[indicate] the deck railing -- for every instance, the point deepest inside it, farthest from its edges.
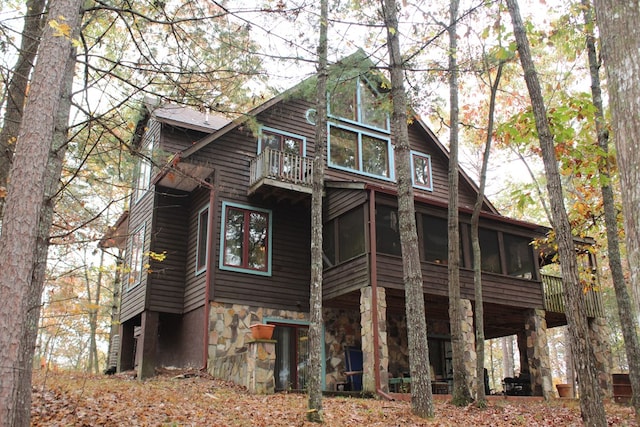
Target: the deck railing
(281, 166)
(554, 297)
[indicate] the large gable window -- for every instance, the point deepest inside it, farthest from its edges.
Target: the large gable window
(421, 170)
(360, 152)
(354, 100)
(246, 242)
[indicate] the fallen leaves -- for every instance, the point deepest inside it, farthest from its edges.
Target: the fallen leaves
(63, 398)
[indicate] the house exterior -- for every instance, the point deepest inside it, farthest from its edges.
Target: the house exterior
(219, 239)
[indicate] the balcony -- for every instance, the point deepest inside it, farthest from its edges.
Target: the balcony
(280, 170)
(554, 297)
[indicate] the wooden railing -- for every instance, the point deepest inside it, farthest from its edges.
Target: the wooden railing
(281, 166)
(554, 297)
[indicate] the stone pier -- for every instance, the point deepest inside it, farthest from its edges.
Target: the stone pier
(469, 340)
(366, 322)
(538, 354)
(598, 333)
(261, 360)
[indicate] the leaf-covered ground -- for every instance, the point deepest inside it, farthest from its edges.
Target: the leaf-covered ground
(71, 399)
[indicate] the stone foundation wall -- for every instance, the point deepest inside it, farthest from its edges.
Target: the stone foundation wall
(229, 338)
(538, 354)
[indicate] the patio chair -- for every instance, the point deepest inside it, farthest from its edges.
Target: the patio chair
(353, 365)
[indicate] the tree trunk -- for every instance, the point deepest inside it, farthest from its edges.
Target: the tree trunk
(507, 356)
(461, 392)
(481, 400)
(626, 310)
(20, 250)
(590, 397)
(419, 365)
(16, 91)
(315, 412)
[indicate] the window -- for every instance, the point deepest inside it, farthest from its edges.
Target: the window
(387, 230)
(490, 250)
(144, 169)
(343, 237)
(287, 149)
(421, 170)
(518, 256)
(246, 243)
(361, 152)
(202, 248)
(436, 238)
(356, 101)
(137, 253)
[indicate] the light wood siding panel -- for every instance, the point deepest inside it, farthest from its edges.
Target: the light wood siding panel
(346, 277)
(170, 227)
(134, 299)
(195, 285)
(288, 285)
(498, 289)
(338, 202)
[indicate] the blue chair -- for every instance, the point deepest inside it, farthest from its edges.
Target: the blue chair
(353, 365)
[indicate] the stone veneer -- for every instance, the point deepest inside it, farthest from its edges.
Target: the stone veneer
(598, 333)
(261, 361)
(230, 339)
(538, 354)
(469, 340)
(366, 316)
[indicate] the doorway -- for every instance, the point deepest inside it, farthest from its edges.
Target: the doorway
(292, 356)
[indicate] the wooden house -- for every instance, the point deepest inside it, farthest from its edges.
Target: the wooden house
(219, 238)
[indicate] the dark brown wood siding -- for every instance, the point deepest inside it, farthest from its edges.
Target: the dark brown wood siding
(169, 238)
(176, 139)
(195, 283)
(339, 201)
(497, 289)
(346, 277)
(134, 295)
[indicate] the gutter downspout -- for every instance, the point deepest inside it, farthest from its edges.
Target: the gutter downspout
(374, 294)
(209, 273)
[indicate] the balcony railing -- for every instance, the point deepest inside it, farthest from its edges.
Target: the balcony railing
(554, 297)
(278, 166)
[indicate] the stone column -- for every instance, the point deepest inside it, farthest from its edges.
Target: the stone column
(261, 362)
(598, 333)
(469, 340)
(538, 354)
(366, 323)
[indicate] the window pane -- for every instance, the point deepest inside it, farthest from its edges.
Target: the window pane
(201, 257)
(344, 148)
(292, 145)
(435, 239)
(375, 156)
(519, 258)
(387, 231)
(421, 171)
(258, 228)
(351, 234)
(234, 235)
(137, 248)
(270, 140)
(372, 112)
(329, 241)
(342, 101)
(490, 250)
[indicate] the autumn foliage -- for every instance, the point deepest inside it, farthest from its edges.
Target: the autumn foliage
(192, 399)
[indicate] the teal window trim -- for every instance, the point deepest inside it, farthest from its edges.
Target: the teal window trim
(304, 323)
(360, 133)
(198, 267)
(283, 133)
(223, 229)
(413, 172)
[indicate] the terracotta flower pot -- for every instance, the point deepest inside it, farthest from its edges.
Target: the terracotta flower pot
(262, 331)
(564, 390)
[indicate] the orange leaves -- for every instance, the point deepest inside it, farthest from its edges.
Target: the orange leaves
(77, 399)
